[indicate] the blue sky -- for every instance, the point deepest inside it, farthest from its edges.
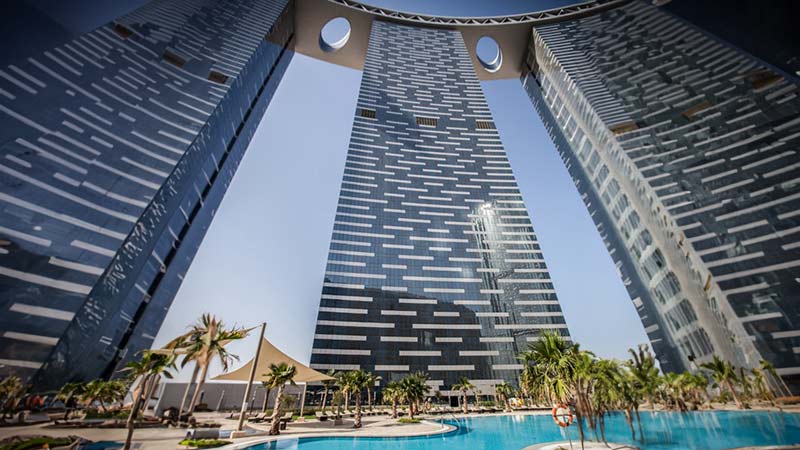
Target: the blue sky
(264, 256)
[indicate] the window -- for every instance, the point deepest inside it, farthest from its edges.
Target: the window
(217, 77)
(367, 113)
(427, 121)
(123, 31)
(484, 125)
(173, 59)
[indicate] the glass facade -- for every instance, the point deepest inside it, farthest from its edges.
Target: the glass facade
(685, 150)
(117, 148)
(433, 265)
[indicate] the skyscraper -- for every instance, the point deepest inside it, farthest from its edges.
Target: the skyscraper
(433, 264)
(685, 150)
(117, 147)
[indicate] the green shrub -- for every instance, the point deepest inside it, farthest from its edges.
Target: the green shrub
(409, 420)
(204, 443)
(35, 443)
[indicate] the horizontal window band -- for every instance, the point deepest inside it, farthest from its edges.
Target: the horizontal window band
(449, 368)
(339, 337)
(391, 368)
(340, 323)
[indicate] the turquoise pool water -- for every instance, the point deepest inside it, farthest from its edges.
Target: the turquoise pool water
(663, 431)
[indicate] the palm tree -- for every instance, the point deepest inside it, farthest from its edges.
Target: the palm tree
(674, 391)
(549, 367)
(147, 370)
(104, 392)
(179, 345)
(696, 386)
(724, 376)
(464, 386)
(115, 391)
(645, 373)
(354, 382)
(781, 387)
(340, 382)
(580, 380)
(11, 391)
(206, 341)
(504, 391)
(328, 385)
(277, 377)
(68, 393)
(762, 386)
(607, 393)
(746, 384)
(629, 397)
(394, 394)
(371, 385)
(559, 370)
(414, 388)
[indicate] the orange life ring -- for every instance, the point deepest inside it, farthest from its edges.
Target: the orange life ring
(564, 412)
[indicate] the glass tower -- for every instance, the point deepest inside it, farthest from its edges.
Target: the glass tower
(433, 264)
(686, 152)
(117, 148)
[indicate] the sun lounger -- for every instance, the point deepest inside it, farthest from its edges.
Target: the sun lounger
(285, 420)
(258, 418)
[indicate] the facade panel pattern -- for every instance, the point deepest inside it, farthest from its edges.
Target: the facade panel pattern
(434, 265)
(116, 149)
(686, 152)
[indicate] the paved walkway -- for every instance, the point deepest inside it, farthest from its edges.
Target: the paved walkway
(168, 438)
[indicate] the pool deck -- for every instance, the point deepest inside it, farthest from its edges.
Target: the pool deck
(168, 438)
(373, 426)
(588, 445)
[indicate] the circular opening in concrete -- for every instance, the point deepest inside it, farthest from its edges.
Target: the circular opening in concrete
(334, 34)
(489, 54)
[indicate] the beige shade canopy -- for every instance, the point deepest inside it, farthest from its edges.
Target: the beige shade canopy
(272, 355)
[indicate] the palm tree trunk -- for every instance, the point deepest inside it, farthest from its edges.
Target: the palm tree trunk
(357, 423)
(188, 388)
(465, 406)
(639, 422)
(411, 409)
(324, 400)
(199, 388)
(579, 419)
(275, 425)
(736, 399)
(369, 398)
(629, 419)
(347, 401)
(601, 421)
(394, 408)
(131, 422)
(67, 408)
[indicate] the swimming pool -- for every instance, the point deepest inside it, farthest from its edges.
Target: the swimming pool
(712, 430)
